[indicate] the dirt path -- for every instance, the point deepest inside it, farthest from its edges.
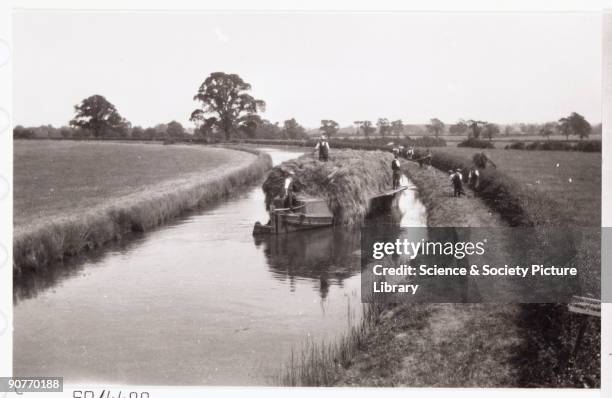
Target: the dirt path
(442, 345)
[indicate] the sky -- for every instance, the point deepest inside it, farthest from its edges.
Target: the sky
(503, 68)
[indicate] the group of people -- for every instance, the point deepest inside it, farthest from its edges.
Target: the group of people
(456, 176)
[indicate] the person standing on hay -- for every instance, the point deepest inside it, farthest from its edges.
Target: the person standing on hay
(323, 148)
(396, 169)
(288, 187)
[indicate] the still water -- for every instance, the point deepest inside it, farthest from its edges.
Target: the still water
(197, 302)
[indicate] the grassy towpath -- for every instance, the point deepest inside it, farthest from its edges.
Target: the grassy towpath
(441, 345)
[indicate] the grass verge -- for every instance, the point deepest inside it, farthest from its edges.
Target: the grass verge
(61, 237)
(546, 190)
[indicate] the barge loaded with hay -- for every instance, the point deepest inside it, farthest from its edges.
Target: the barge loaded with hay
(306, 193)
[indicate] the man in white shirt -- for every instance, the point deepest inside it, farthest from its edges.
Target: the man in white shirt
(288, 189)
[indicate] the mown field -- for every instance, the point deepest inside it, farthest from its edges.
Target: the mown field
(55, 178)
(572, 180)
(502, 140)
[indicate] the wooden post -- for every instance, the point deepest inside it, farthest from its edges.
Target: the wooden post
(584, 307)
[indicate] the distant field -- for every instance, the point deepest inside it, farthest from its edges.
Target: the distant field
(503, 140)
(56, 178)
(499, 141)
(580, 196)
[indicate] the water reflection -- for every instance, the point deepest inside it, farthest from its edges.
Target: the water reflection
(326, 256)
(31, 282)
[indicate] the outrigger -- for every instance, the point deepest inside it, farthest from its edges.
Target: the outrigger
(310, 213)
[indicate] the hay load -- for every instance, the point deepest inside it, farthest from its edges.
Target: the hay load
(346, 182)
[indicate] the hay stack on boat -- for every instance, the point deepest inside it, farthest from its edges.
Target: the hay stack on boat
(346, 181)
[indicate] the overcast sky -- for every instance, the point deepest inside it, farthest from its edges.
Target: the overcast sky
(414, 66)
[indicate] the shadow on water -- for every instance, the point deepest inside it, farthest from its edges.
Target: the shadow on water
(328, 256)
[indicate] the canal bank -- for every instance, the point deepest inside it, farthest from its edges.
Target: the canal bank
(37, 247)
(428, 345)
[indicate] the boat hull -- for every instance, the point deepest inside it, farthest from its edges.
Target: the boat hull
(314, 214)
(285, 222)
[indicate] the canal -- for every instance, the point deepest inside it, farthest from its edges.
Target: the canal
(196, 302)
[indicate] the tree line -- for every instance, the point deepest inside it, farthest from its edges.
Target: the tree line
(227, 110)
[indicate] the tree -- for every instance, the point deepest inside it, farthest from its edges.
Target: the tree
(508, 129)
(458, 128)
(248, 125)
(435, 126)
(329, 127)
(597, 129)
(66, 131)
(205, 131)
(20, 132)
(292, 129)
(161, 131)
(267, 129)
(137, 133)
(490, 130)
(366, 127)
(384, 126)
(397, 127)
(100, 117)
(226, 97)
(548, 129)
(475, 128)
(149, 133)
(575, 124)
(175, 129)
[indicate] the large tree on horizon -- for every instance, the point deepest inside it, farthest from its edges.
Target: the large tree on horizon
(329, 127)
(292, 129)
(490, 130)
(366, 127)
(475, 128)
(397, 127)
(384, 126)
(97, 115)
(225, 97)
(575, 124)
(435, 126)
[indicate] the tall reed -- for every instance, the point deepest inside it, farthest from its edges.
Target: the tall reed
(315, 364)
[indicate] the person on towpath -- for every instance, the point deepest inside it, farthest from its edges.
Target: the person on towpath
(457, 182)
(474, 178)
